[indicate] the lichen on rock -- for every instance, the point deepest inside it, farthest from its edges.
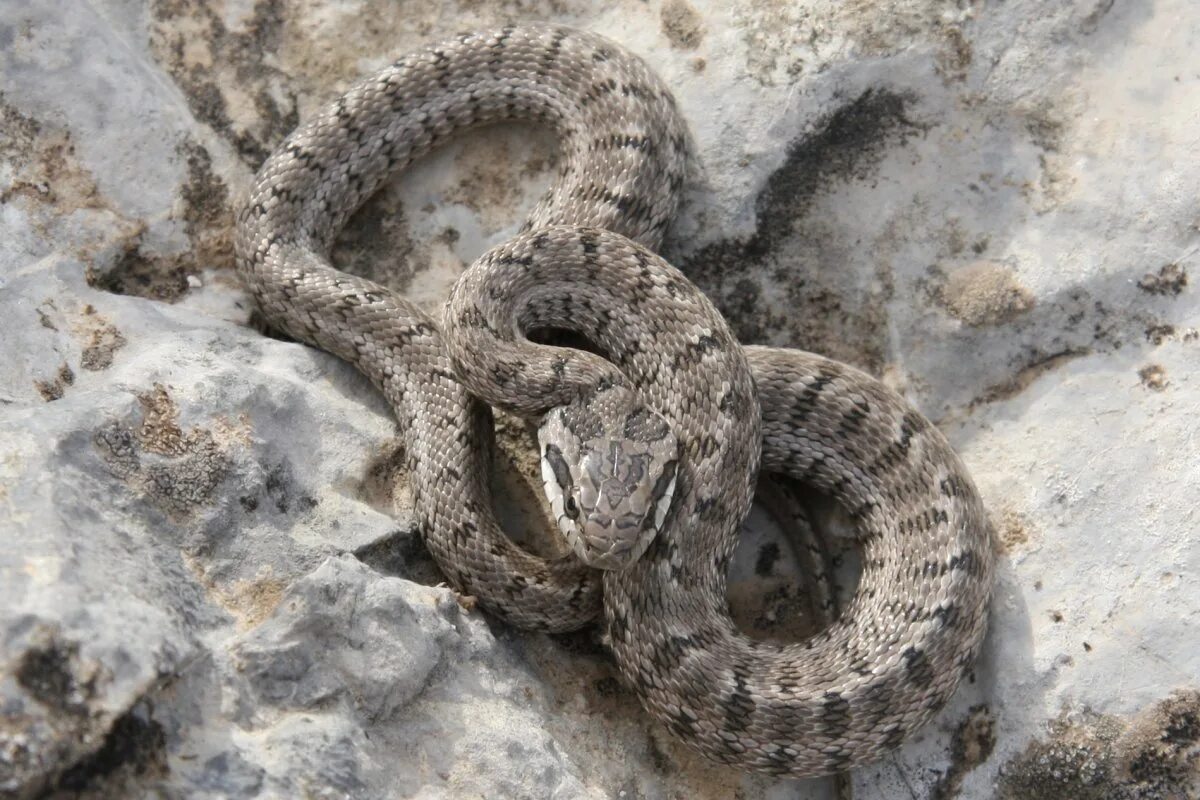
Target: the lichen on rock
(211, 582)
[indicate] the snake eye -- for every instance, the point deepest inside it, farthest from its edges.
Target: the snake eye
(571, 507)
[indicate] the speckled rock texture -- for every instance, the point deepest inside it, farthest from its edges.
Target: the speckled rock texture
(209, 583)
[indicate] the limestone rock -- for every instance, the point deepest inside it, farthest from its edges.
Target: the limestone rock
(209, 583)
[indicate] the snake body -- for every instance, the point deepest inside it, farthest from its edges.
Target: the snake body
(622, 164)
(584, 262)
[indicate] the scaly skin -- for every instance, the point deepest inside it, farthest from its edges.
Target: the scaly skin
(835, 701)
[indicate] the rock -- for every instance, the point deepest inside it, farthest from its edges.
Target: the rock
(209, 581)
(984, 293)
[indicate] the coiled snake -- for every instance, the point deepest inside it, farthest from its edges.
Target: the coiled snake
(658, 505)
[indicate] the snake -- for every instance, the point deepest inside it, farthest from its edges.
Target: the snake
(649, 441)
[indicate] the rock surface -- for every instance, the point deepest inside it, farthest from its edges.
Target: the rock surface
(209, 585)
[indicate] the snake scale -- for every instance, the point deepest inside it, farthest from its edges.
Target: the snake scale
(671, 427)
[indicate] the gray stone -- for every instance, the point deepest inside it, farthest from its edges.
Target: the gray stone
(209, 582)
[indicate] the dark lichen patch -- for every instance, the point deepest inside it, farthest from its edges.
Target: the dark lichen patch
(100, 355)
(133, 749)
(1154, 377)
(18, 134)
(187, 483)
(1161, 750)
(178, 470)
(205, 194)
(100, 338)
(1044, 124)
(1158, 333)
(681, 24)
(44, 312)
(119, 449)
(191, 41)
(1169, 280)
(281, 490)
(756, 281)
(1155, 756)
(54, 388)
(207, 215)
(1075, 761)
(972, 744)
(43, 159)
(278, 492)
(48, 672)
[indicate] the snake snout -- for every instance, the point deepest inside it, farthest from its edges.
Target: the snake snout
(617, 529)
(609, 485)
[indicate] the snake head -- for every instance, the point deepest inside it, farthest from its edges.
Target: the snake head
(609, 478)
